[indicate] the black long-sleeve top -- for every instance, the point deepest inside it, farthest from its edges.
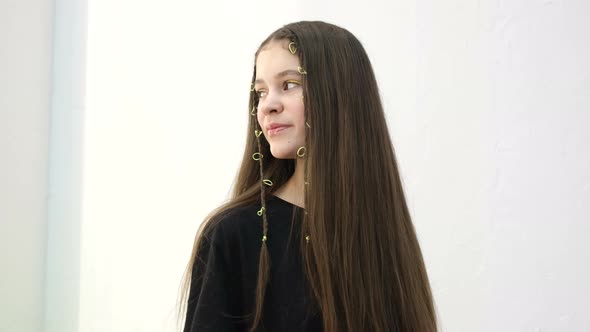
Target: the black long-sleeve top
(223, 282)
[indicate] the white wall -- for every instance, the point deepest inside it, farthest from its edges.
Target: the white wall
(158, 83)
(25, 66)
(500, 178)
(487, 103)
(539, 226)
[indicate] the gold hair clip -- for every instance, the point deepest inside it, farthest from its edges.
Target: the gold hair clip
(307, 124)
(256, 154)
(257, 132)
(307, 238)
(292, 47)
(253, 109)
(301, 71)
(303, 154)
(251, 86)
(267, 182)
(263, 238)
(259, 213)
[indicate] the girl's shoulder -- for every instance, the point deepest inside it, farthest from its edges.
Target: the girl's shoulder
(237, 217)
(245, 221)
(234, 224)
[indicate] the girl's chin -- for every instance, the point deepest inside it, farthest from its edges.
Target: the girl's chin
(283, 154)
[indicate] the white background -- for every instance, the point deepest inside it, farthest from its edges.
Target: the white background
(122, 125)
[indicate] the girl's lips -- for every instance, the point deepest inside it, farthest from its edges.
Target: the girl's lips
(277, 130)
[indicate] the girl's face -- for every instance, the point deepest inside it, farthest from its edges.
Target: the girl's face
(279, 89)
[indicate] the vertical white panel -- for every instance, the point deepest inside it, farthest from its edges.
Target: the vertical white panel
(65, 168)
(25, 67)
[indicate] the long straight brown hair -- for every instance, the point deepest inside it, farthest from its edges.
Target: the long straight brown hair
(363, 263)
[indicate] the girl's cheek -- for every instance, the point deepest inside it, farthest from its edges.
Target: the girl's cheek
(258, 116)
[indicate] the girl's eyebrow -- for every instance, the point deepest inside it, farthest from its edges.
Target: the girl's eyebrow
(281, 74)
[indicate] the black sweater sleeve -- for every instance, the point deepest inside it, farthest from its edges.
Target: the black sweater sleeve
(214, 299)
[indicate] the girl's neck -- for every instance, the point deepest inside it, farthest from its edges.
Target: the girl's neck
(292, 191)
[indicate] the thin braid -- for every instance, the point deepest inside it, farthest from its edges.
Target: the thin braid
(262, 197)
(264, 261)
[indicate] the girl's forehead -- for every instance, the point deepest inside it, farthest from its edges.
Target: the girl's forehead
(276, 58)
(283, 43)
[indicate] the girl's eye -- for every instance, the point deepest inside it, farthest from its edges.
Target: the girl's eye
(294, 83)
(287, 85)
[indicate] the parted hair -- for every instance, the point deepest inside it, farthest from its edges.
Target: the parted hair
(363, 264)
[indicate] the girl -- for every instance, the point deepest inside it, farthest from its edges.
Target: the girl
(317, 235)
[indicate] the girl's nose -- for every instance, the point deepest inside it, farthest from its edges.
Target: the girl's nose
(271, 103)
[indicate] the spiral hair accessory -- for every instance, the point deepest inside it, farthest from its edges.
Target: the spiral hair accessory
(292, 47)
(267, 182)
(253, 110)
(256, 155)
(301, 151)
(301, 70)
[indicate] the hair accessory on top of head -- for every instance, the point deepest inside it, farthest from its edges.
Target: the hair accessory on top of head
(292, 47)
